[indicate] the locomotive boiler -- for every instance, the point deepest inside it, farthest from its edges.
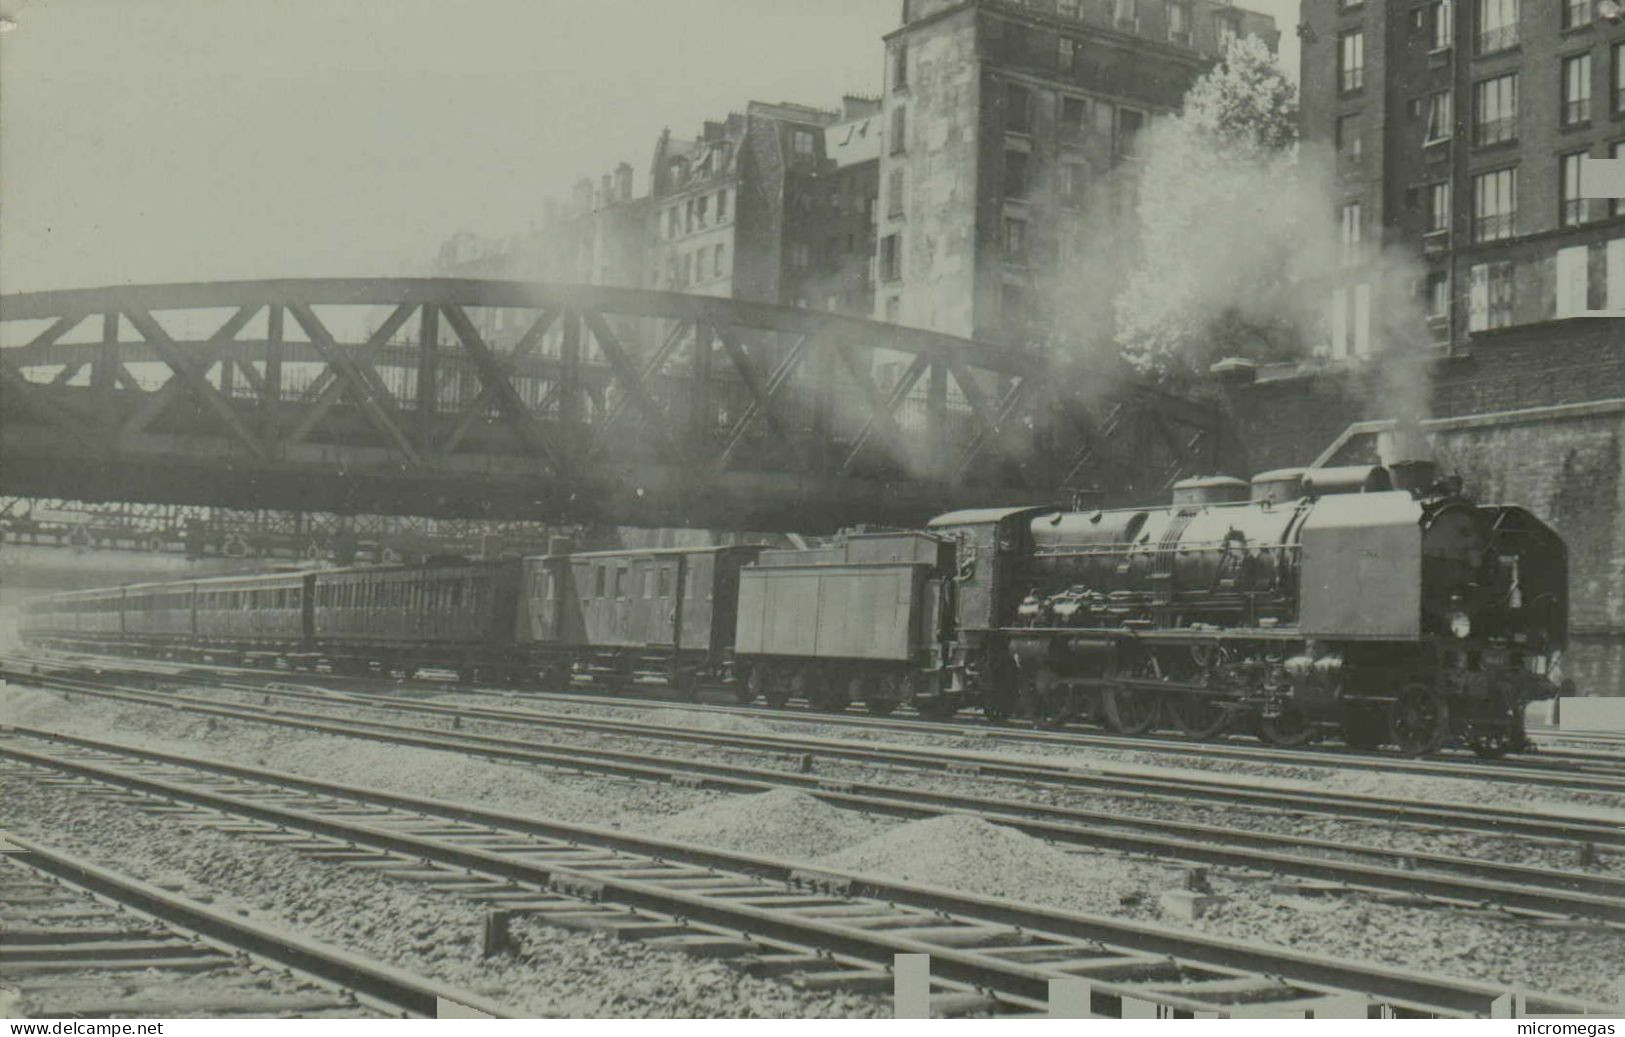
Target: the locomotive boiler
(1376, 598)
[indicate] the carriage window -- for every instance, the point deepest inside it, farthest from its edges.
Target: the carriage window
(620, 584)
(456, 594)
(598, 583)
(648, 584)
(665, 583)
(551, 585)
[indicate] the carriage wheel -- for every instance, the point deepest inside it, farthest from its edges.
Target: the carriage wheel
(1289, 728)
(686, 683)
(1365, 726)
(1200, 716)
(778, 685)
(746, 684)
(927, 694)
(879, 695)
(1131, 712)
(554, 677)
(1419, 719)
(828, 691)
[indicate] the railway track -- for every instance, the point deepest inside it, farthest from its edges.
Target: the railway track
(1454, 880)
(1585, 769)
(834, 928)
(73, 928)
(1543, 824)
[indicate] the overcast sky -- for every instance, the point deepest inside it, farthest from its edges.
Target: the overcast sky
(171, 140)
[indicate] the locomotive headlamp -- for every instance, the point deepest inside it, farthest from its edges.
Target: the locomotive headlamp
(1461, 624)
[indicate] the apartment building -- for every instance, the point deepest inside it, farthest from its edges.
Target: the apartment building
(1460, 130)
(1011, 138)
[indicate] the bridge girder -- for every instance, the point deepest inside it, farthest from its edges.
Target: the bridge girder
(555, 402)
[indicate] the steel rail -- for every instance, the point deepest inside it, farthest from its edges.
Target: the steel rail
(1457, 880)
(1576, 770)
(984, 969)
(1343, 805)
(372, 981)
(1460, 816)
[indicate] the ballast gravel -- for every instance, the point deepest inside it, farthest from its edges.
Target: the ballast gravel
(558, 972)
(954, 851)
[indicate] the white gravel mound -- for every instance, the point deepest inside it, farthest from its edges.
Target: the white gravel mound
(781, 823)
(959, 851)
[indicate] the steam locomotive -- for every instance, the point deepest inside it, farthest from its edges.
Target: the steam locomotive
(1376, 599)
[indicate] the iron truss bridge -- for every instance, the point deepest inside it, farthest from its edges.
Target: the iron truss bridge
(554, 403)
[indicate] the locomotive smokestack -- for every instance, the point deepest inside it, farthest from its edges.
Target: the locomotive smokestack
(1406, 453)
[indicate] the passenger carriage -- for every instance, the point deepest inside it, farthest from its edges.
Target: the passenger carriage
(667, 611)
(404, 618)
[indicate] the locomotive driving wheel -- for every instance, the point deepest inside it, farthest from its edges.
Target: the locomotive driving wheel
(1289, 728)
(1419, 719)
(1200, 716)
(1132, 711)
(1365, 725)
(1197, 714)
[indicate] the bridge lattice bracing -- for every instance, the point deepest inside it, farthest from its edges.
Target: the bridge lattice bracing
(494, 399)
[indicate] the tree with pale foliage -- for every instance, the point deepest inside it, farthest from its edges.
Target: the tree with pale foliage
(1231, 226)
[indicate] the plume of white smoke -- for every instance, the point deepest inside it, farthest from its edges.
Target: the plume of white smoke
(1241, 245)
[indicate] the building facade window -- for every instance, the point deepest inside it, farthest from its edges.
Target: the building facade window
(899, 130)
(1495, 110)
(894, 309)
(1227, 29)
(1497, 25)
(899, 67)
(1074, 183)
(1066, 54)
(1444, 24)
(722, 205)
(894, 193)
(1351, 61)
(1015, 174)
(1577, 90)
(1619, 77)
(702, 208)
(800, 255)
(1018, 108)
(1349, 140)
(891, 258)
(1617, 206)
(1441, 116)
(1576, 13)
(1572, 207)
(717, 252)
(1074, 116)
(1015, 241)
(1126, 14)
(1066, 8)
(1436, 295)
(1179, 22)
(802, 142)
(1351, 233)
(1495, 205)
(1490, 298)
(1129, 125)
(1013, 304)
(1439, 206)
